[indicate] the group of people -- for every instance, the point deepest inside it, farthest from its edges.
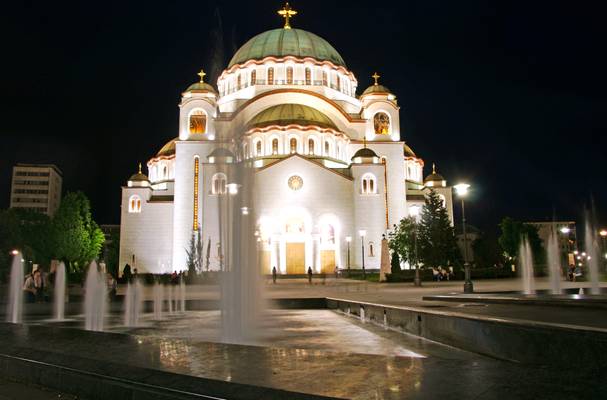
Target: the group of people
(442, 274)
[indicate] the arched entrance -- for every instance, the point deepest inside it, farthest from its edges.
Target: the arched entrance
(295, 233)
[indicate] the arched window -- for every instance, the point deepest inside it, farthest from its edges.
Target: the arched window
(381, 123)
(293, 145)
(324, 78)
(134, 204)
(165, 172)
(258, 148)
(308, 76)
(253, 77)
(327, 234)
(219, 183)
(310, 146)
(270, 76)
(198, 122)
(238, 82)
(327, 148)
(274, 146)
(289, 75)
(368, 184)
(338, 82)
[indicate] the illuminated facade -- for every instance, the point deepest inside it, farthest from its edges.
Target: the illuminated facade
(329, 164)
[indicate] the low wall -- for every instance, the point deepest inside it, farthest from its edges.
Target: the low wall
(519, 341)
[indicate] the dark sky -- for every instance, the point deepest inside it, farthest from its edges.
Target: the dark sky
(508, 95)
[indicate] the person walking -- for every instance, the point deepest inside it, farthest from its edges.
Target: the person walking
(274, 274)
(310, 275)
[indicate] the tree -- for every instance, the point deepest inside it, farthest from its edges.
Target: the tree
(199, 253)
(513, 231)
(191, 256)
(402, 240)
(436, 238)
(395, 263)
(486, 251)
(78, 239)
(113, 253)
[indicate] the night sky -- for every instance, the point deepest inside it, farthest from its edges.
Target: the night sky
(507, 95)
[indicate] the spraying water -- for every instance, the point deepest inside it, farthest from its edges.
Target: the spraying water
(59, 294)
(133, 303)
(15, 294)
(182, 295)
(526, 263)
(94, 299)
(554, 263)
(158, 301)
(592, 250)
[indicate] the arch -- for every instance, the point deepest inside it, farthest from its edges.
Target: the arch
(381, 123)
(308, 76)
(134, 204)
(219, 183)
(327, 148)
(239, 81)
(293, 145)
(270, 75)
(275, 148)
(165, 172)
(325, 81)
(257, 145)
(311, 143)
(253, 77)
(368, 184)
(197, 121)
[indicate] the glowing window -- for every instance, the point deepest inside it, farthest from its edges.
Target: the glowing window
(289, 75)
(219, 183)
(368, 184)
(311, 146)
(381, 123)
(198, 122)
(134, 204)
(327, 148)
(238, 82)
(338, 82)
(308, 76)
(293, 145)
(253, 77)
(258, 148)
(324, 78)
(275, 146)
(270, 76)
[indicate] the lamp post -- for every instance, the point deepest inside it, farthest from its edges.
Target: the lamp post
(362, 234)
(603, 235)
(348, 240)
(461, 190)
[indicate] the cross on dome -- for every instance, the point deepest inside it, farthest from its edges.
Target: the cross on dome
(287, 13)
(375, 76)
(201, 74)
(139, 167)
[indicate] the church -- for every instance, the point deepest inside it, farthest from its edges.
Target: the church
(331, 172)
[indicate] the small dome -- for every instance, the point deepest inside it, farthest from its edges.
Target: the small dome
(408, 151)
(291, 114)
(287, 42)
(168, 149)
(376, 89)
(365, 152)
(435, 179)
(200, 87)
(138, 177)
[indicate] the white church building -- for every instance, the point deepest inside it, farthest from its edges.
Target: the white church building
(332, 173)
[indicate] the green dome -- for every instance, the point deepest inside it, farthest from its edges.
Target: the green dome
(288, 114)
(376, 89)
(201, 86)
(287, 42)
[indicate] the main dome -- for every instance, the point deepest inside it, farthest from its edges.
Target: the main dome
(287, 42)
(288, 114)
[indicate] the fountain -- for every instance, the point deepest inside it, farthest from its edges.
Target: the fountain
(593, 253)
(15, 294)
(59, 294)
(554, 263)
(526, 264)
(158, 300)
(182, 294)
(94, 299)
(132, 303)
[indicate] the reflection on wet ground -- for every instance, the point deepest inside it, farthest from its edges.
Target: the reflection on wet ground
(318, 352)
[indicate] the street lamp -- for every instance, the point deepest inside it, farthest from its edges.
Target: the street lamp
(362, 234)
(348, 240)
(462, 190)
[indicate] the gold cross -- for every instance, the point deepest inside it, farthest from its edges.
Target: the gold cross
(139, 167)
(201, 74)
(287, 12)
(376, 77)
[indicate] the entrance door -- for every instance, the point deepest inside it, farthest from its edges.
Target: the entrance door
(327, 261)
(296, 255)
